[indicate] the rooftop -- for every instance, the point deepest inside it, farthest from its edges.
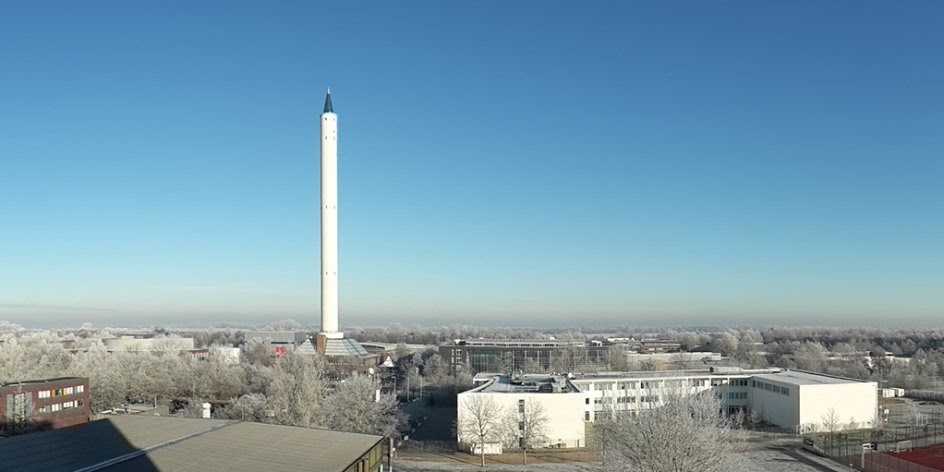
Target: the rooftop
(504, 342)
(530, 383)
(796, 377)
(44, 381)
(655, 374)
(151, 444)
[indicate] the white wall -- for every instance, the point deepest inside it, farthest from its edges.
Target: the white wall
(627, 394)
(564, 412)
(775, 407)
(851, 402)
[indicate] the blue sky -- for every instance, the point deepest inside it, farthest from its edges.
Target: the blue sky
(512, 163)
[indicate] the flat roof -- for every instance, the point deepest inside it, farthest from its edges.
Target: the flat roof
(528, 383)
(150, 444)
(658, 374)
(795, 377)
(44, 381)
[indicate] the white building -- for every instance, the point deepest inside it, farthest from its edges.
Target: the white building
(814, 402)
(561, 402)
(791, 399)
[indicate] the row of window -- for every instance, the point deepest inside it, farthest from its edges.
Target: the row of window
(770, 387)
(672, 383)
(61, 392)
(626, 399)
(62, 406)
(737, 395)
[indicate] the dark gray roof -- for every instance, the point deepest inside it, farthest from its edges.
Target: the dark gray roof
(328, 108)
(151, 444)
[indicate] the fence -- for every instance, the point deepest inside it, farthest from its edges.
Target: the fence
(847, 447)
(428, 446)
(882, 462)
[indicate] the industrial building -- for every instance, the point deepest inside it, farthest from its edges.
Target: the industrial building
(797, 400)
(44, 404)
(510, 355)
(152, 444)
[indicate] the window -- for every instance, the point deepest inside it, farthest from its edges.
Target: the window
(68, 391)
(586, 416)
(56, 407)
(606, 386)
(79, 388)
(67, 405)
(586, 401)
(44, 394)
(57, 392)
(520, 406)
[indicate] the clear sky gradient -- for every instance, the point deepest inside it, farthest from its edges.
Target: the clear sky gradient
(511, 163)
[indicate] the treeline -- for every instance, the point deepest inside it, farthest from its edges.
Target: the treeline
(291, 390)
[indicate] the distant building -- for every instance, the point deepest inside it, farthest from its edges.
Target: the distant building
(282, 342)
(152, 443)
(139, 344)
(510, 355)
(44, 404)
(801, 401)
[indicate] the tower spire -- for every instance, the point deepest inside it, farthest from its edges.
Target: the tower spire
(327, 107)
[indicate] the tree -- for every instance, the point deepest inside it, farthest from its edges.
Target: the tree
(526, 427)
(831, 421)
(688, 433)
(480, 420)
(531, 366)
(810, 356)
(295, 391)
(356, 405)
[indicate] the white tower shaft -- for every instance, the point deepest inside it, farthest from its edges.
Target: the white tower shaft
(329, 222)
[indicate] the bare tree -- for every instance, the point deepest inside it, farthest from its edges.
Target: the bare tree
(831, 421)
(527, 426)
(480, 421)
(689, 433)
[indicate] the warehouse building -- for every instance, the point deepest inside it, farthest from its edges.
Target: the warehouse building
(152, 444)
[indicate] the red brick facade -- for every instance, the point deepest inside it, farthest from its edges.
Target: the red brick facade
(44, 404)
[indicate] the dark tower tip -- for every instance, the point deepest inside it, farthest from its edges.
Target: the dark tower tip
(328, 108)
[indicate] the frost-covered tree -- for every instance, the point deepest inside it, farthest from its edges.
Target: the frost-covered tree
(357, 405)
(689, 433)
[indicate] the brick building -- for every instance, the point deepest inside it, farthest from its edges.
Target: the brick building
(43, 404)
